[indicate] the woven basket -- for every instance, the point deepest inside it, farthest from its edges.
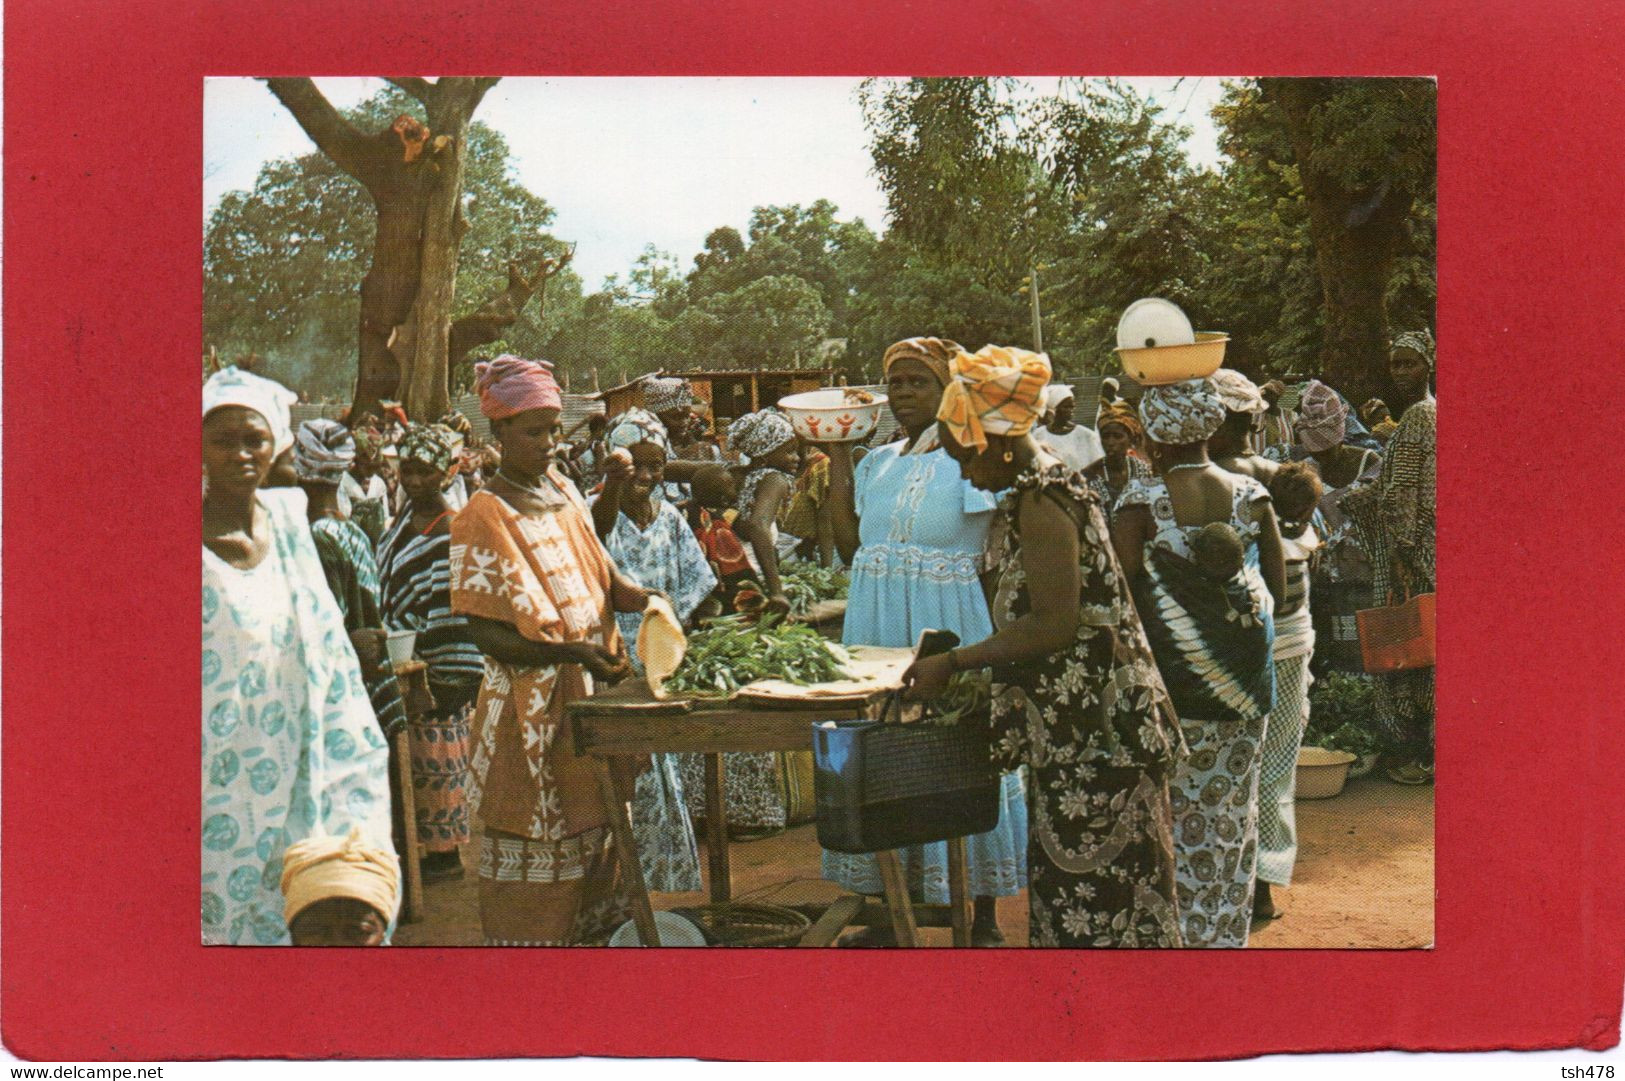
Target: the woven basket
(746, 923)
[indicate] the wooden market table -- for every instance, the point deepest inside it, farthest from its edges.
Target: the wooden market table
(626, 722)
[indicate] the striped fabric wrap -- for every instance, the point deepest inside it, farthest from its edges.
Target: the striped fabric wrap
(415, 574)
(1212, 639)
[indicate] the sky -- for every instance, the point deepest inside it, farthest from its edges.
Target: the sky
(628, 162)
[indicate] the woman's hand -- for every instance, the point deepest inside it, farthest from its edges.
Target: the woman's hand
(617, 468)
(369, 647)
(777, 605)
(928, 677)
(604, 664)
(626, 595)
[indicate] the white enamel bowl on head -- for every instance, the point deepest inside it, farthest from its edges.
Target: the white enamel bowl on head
(825, 416)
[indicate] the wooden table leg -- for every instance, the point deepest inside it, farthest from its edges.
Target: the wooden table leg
(958, 891)
(616, 802)
(716, 828)
(411, 856)
(897, 899)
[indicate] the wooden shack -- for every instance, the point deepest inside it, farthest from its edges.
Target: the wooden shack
(732, 393)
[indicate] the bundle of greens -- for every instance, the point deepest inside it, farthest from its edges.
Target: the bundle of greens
(1343, 715)
(967, 695)
(806, 583)
(727, 653)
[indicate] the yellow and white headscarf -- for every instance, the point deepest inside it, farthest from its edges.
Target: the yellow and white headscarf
(997, 390)
(319, 868)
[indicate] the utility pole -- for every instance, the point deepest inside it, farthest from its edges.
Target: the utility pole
(1032, 296)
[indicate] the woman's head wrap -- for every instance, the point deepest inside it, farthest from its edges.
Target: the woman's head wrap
(1238, 393)
(322, 868)
(430, 444)
(268, 398)
(758, 434)
(996, 390)
(323, 451)
(1178, 413)
(509, 385)
(634, 426)
(1122, 414)
(1421, 341)
(1055, 394)
(661, 395)
(935, 353)
(458, 423)
(368, 443)
(1322, 417)
(1108, 389)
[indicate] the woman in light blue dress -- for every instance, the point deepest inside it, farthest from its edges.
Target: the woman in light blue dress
(914, 533)
(651, 543)
(291, 748)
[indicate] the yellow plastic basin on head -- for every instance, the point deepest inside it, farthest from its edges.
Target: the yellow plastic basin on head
(1175, 363)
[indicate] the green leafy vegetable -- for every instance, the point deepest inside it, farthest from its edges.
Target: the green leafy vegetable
(806, 583)
(727, 653)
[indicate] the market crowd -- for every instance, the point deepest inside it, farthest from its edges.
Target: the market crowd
(1202, 554)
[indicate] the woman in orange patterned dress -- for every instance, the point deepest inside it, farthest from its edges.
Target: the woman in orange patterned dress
(540, 594)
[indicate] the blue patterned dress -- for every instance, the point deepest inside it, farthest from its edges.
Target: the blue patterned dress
(922, 532)
(290, 745)
(668, 558)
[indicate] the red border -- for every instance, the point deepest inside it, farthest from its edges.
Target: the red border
(102, 306)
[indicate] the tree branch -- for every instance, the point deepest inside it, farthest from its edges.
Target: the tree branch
(418, 88)
(333, 135)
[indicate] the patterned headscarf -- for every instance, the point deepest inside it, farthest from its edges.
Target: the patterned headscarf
(458, 423)
(322, 868)
(758, 434)
(1322, 417)
(1238, 393)
(368, 442)
(635, 426)
(323, 451)
(510, 384)
(935, 353)
(661, 395)
(268, 398)
(997, 390)
(1178, 413)
(1122, 414)
(1419, 340)
(431, 444)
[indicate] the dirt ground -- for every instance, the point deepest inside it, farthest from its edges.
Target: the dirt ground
(1364, 879)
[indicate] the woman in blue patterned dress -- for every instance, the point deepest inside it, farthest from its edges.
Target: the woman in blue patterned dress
(913, 532)
(653, 546)
(1202, 551)
(290, 747)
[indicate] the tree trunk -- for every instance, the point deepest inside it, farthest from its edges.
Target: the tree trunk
(416, 183)
(1356, 235)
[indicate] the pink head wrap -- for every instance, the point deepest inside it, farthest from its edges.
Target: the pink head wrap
(509, 385)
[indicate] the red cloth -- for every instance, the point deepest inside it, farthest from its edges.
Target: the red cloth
(509, 385)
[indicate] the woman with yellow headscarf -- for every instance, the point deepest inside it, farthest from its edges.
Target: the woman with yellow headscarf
(913, 532)
(1076, 695)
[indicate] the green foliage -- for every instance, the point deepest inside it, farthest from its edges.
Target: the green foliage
(1343, 715)
(283, 263)
(985, 182)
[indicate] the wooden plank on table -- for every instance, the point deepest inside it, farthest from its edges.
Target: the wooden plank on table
(833, 921)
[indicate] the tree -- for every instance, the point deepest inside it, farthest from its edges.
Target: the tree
(413, 171)
(1365, 152)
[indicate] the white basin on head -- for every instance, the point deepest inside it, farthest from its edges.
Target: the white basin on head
(1153, 323)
